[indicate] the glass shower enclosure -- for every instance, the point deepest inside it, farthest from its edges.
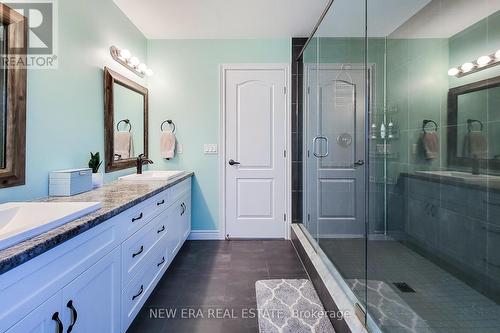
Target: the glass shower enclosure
(401, 160)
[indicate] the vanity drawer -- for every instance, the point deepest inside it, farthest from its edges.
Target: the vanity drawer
(139, 289)
(136, 249)
(177, 191)
(138, 216)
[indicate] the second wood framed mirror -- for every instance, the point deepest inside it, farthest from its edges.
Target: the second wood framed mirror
(125, 121)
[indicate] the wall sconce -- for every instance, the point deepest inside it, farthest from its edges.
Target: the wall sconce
(483, 62)
(124, 57)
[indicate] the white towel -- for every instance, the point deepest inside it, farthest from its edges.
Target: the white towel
(124, 145)
(167, 145)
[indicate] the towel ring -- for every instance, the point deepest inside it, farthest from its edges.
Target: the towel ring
(171, 125)
(425, 122)
(126, 121)
(471, 121)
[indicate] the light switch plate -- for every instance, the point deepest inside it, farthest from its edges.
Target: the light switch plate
(180, 148)
(210, 148)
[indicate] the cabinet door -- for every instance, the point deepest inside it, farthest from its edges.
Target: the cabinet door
(44, 319)
(92, 301)
(174, 228)
(185, 217)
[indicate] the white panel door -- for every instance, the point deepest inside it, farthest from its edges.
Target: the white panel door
(335, 183)
(255, 121)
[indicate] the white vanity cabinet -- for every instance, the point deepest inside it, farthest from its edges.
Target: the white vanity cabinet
(99, 280)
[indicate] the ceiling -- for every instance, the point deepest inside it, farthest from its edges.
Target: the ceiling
(185, 19)
(445, 18)
(346, 18)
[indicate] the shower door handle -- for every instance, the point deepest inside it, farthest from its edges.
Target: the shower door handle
(315, 141)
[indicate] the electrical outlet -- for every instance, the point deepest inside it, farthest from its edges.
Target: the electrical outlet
(180, 148)
(210, 148)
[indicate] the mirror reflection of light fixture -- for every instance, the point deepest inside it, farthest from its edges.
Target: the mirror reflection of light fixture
(483, 62)
(125, 58)
(453, 71)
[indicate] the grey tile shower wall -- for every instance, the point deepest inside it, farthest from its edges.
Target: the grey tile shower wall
(297, 130)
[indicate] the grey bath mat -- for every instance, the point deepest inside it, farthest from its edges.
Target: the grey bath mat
(290, 306)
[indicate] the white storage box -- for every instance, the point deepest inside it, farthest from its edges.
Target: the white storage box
(70, 182)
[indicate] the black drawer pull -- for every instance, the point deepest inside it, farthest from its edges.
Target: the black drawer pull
(55, 317)
(183, 208)
(137, 218)
(160, 202)
(139, 293)
(74, 315)
(137, 253)
(161, 230)
(161, 262)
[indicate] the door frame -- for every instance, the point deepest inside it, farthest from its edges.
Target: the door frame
(222, 141)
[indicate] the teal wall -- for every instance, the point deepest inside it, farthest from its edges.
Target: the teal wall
(417, 88)
(65, 106)
(185, 88)
(418, 84)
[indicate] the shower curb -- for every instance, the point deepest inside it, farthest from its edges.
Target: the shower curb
(330, 294)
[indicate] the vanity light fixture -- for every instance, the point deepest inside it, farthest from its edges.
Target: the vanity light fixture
(124, 57)
(483, 62)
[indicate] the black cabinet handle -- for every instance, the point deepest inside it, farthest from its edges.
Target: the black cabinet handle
(137, 218)
(137, 253)
(55, 317)
(183, 209)
(161, 230)
(74, 315)
(160, 202)
(139, 293)
(161, 262)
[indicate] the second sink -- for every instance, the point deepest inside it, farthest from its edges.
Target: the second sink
(153, 176)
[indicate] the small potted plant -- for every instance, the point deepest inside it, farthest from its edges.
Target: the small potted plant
(94, 163)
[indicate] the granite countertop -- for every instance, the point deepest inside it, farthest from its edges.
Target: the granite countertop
(115, 198)
(490, 187)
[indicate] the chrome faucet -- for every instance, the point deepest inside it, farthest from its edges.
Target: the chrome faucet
(141, 160)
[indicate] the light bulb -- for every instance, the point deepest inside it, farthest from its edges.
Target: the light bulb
(149, 72)
(125, 54)
(467, 67)
(497, 54)
(483, 61)
(142, 67)
(134, 61)
(453, 71)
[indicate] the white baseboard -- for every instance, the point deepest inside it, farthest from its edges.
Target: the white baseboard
(205, 235)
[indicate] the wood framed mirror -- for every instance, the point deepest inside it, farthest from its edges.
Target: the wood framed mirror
(474, 125)
(13, 48)
(125, 121)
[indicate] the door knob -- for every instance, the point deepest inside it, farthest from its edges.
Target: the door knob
(233, 162)
(359, 163)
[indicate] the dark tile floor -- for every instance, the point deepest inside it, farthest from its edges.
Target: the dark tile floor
(211, 276)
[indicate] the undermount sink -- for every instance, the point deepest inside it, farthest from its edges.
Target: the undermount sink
(463, 176)
(153, 176)
(22, 220)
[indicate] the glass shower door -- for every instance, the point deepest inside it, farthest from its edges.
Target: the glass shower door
(335, 100)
